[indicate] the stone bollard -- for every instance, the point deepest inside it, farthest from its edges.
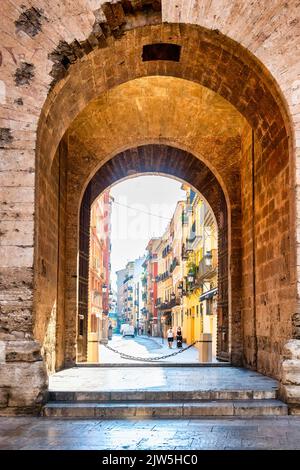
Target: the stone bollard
(290, 375)
(205, 350)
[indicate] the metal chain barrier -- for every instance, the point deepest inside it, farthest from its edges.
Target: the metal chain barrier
(149, 359)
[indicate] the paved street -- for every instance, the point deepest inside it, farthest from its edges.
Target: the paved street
(58, 434)
(142, 346)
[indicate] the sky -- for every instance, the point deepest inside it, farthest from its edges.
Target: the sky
(152, 201)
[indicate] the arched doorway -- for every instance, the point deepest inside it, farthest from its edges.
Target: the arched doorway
(237, 132)
(162, 159)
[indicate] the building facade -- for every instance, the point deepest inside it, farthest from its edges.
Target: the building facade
(121, 274)
(137, 314)
(180, 274)
(149, 288)
(130, 293)
(200, 255)
(99, 274)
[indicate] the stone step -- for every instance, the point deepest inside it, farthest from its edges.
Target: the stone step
(163, 396)
(167, 409)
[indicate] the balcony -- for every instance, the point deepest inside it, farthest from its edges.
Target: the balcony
(174, 263)
(208, 265)
(169, 304)
(163, 276)
(193, 242)
(166, 251)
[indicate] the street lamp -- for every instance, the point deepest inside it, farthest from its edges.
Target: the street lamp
(208, 258)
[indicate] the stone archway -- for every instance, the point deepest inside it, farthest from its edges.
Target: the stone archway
(268, 177)
(162, 159)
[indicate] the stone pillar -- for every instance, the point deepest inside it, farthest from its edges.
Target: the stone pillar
(24, 379)
(290, 375)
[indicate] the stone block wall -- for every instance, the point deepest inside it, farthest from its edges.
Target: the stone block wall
(35, 45)
(269, 288)
(50, 261)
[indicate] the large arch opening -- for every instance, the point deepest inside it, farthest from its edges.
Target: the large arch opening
(162, 159)
(152, 267)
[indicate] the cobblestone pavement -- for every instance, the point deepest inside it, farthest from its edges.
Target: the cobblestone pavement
(143, 346)
(158, 378)
(56, 434)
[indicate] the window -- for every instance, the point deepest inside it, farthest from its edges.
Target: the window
(209, 307)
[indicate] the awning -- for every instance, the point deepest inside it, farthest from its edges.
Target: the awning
(208, 294)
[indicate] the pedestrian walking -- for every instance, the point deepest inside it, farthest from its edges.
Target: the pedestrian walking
(170, 337)
(179, 337)
(109, 335)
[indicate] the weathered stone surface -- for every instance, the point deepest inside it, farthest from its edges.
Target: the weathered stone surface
(2, 351)
(5, 137)
(290, 371)
(291, 349)
(16, 320)
(30, 375)
(296, 326)
(23, 351)
(26, 383)
(4, 393)
(30, 21)
(290, 394)
(24, 74)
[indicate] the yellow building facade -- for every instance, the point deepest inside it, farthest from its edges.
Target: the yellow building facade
(187, 271)
(198, 270)
(192, 254)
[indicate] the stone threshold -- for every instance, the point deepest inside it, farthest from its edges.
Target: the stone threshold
(154, 364)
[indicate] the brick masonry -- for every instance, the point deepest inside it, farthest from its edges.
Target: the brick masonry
(237, 53)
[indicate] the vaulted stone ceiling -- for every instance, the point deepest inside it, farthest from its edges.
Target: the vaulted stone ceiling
(151, 108)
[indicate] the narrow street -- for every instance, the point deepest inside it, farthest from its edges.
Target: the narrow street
(145, 347)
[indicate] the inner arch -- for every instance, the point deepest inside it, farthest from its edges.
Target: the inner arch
(159, 159)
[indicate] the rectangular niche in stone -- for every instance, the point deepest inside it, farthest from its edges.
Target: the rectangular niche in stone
(161, 51)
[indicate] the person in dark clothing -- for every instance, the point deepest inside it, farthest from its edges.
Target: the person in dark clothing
(179, 338)
(109, 336)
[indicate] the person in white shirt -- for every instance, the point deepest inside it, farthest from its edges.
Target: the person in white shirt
(170, 337)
